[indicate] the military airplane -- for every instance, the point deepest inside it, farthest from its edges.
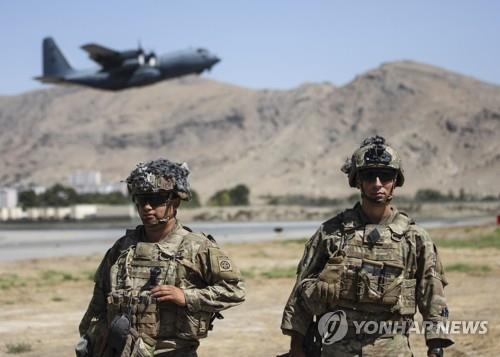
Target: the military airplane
(122, 69)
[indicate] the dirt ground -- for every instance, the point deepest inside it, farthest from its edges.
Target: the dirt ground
(42, 301)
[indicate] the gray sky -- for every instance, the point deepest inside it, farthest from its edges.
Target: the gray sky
(263, 44)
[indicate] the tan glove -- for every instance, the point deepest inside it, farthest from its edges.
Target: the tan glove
(333, 270)
(332, 276)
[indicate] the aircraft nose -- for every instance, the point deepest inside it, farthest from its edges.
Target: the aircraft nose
(215, 60)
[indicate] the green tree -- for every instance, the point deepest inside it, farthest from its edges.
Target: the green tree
(239, 195)
(429, 195)
(236, 196)
(59, 196)
(29, 199)
(462, 196)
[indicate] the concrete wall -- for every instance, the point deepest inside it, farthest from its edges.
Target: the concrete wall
(78, 212)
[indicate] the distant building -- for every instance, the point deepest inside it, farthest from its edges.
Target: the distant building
(8, 197)
(91, 182)
(39, 189)
(85, 181)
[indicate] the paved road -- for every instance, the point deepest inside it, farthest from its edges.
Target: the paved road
(32, 244)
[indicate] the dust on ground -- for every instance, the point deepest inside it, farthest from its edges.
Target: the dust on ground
(42, 301)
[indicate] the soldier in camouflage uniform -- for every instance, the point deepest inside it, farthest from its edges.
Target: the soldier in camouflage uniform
(160, 286)
(373, 263)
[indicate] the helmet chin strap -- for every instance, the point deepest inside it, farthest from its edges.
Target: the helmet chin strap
(165, 219)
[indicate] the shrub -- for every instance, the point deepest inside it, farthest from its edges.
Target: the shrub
(236, 196)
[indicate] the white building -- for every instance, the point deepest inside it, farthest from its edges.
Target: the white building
(91, 182)
(85, 181)
(8, 197)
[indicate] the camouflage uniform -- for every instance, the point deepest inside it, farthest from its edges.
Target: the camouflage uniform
(190, 261)
(378, 273)
(123, 319)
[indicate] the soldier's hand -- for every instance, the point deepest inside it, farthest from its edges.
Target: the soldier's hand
(433, 355)
(169, 293)
(435, 352)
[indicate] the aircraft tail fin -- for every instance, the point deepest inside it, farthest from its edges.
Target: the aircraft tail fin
(54, 62)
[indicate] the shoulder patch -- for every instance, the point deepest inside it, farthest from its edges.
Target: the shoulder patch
(224, 263)
(221, 266)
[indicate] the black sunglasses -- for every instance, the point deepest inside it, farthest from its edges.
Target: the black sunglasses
(153, 200)
(371, 175)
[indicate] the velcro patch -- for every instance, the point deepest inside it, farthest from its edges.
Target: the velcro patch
(224, 263)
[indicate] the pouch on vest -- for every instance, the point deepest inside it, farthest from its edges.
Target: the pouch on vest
(145, 317)
(406, 303)
(349, 283)
(145, 251)
(368, 284)
(192, 325)
(138, 345)
(141, 310)
(391, 283)
(144, 346)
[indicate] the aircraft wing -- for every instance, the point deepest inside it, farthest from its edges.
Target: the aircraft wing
(104, 56)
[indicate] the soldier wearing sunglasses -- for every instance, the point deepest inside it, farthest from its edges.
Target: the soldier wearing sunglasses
(371, 263)
(159, 288)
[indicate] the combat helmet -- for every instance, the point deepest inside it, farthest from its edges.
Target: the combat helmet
(374, 152)
(159, 175)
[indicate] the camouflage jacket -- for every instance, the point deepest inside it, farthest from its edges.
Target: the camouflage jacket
(420, 269)
(208, 277)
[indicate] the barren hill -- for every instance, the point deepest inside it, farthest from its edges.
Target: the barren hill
(447, 127)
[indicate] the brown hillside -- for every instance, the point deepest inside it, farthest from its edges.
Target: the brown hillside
(446, 125)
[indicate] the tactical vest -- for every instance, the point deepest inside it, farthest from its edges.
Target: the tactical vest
(130, 279)
(378, 266)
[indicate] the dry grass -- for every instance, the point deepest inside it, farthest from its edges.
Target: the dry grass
(44, 300)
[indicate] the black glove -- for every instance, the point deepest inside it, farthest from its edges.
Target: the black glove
(82, 347)
(438, 351)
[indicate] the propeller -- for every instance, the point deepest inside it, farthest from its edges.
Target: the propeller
(146, 58)
(140, 53)
(140, 50)
(151, 58)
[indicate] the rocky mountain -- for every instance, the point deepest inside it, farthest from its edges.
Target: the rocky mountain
(446, 126)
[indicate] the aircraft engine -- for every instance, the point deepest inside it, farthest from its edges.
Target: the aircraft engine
(151, 59)
(141, 59)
